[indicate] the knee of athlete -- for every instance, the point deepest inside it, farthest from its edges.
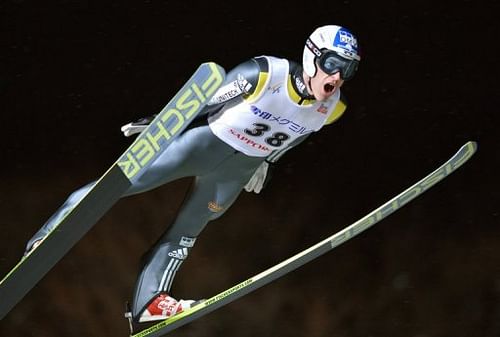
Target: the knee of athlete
(215, 210)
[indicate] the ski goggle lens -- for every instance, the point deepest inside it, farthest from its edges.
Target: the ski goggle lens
(331, 63)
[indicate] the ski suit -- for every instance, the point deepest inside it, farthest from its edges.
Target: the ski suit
(262, 110)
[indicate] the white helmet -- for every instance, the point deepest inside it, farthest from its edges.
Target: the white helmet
(336, 50)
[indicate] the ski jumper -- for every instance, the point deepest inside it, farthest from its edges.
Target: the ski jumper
(261, 111)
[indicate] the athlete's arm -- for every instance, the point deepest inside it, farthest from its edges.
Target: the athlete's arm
(240, 81)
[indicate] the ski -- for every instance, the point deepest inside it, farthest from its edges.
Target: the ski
(292, 263)
(129, 167)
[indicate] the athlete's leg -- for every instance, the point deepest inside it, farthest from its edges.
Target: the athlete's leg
(211, 195)
(194, 153)
(57, 217)
(189, 154)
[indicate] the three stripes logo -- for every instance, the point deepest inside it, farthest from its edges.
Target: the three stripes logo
(180, 253)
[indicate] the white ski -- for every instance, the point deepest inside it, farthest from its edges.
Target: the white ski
(292, 263)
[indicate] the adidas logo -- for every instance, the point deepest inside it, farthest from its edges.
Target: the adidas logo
(180, 254)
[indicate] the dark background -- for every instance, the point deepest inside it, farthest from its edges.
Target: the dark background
(73, 72)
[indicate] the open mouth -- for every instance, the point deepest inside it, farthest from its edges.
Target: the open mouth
(329, 88)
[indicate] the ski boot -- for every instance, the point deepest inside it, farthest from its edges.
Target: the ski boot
(161, 308)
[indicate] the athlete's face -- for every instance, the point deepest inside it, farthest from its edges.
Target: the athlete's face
(322, 85)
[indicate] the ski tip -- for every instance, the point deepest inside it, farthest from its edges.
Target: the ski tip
(471, 146)
(472, 143)
(208, 64)
(213, 65)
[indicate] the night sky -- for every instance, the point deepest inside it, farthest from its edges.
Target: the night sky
(73, 72)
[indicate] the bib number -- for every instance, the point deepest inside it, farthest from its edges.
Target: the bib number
(261, 129)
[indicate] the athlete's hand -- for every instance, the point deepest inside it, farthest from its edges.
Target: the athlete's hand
(137, 127)
(257, 182)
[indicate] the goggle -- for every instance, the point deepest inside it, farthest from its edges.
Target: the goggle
(331, 62)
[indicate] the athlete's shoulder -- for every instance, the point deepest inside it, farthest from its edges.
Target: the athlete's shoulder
(247, 79)
(240, 81)
(254, 67)
(250, 71)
